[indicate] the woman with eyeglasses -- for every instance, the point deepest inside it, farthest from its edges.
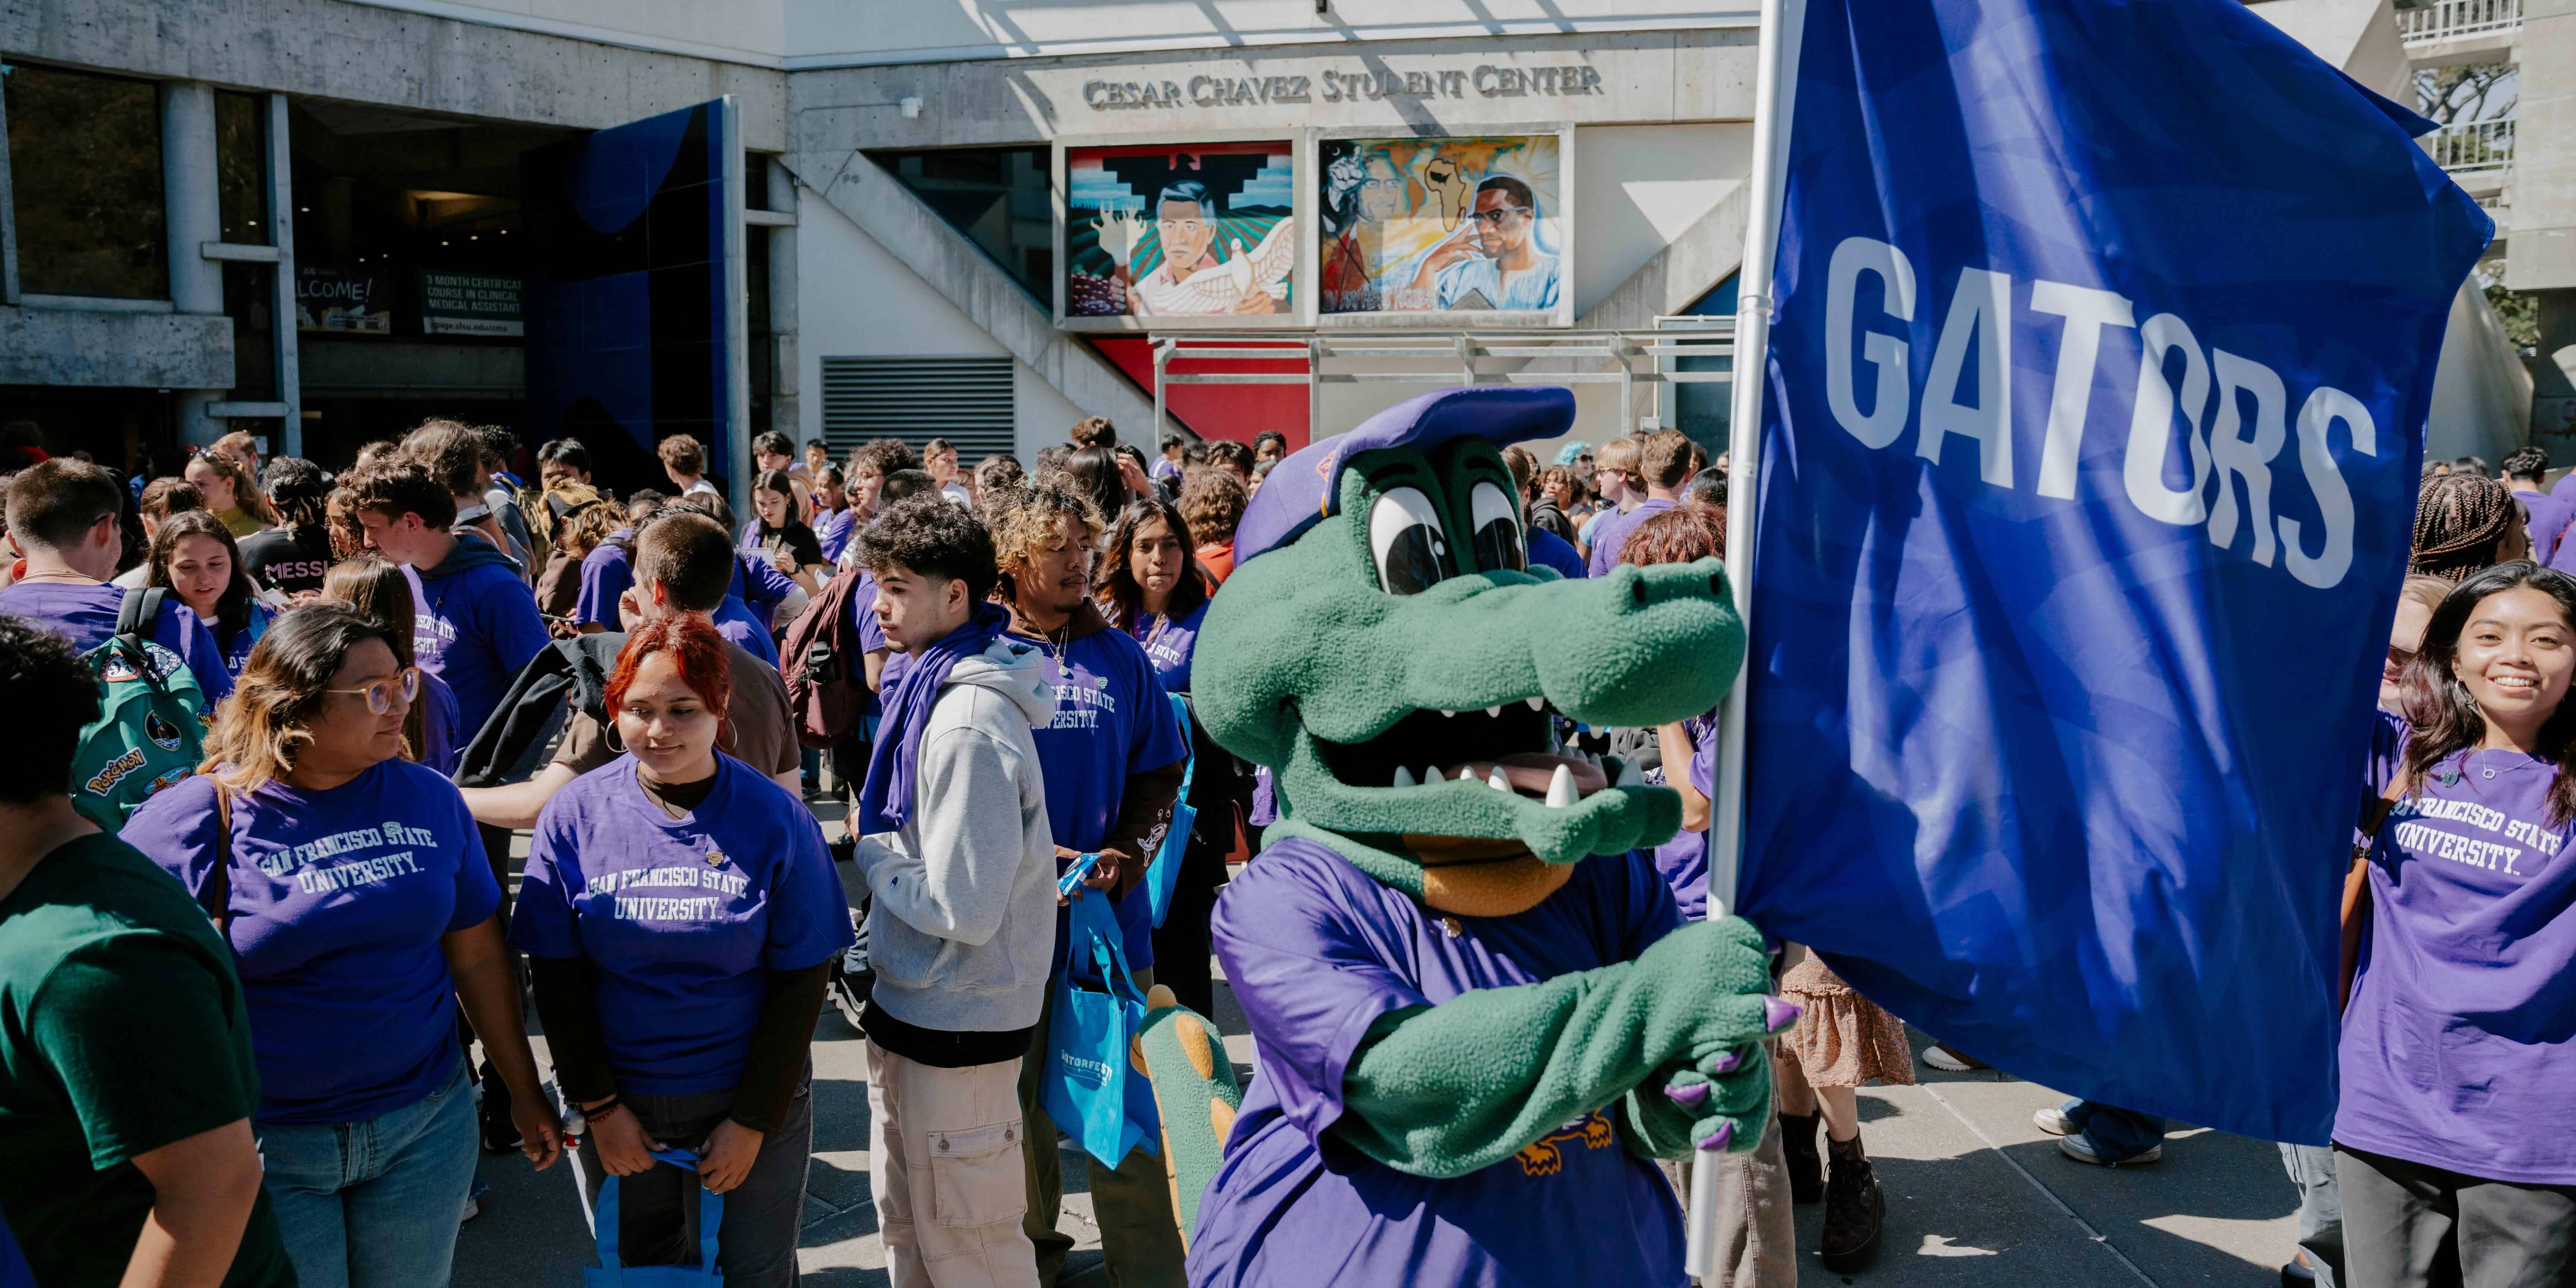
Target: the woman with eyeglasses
(381, 589)
(352, 887)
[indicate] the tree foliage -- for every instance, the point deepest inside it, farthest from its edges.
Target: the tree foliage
(2469, 92)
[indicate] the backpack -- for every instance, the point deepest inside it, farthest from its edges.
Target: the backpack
(827, 681)
(516, 738)
(148, 734)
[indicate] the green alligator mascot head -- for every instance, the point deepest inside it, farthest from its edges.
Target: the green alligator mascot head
(1385, 648)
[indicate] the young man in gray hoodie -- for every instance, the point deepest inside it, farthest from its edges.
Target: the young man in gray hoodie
(960, 864)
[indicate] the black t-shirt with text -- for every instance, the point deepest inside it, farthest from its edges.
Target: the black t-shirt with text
(290, 560)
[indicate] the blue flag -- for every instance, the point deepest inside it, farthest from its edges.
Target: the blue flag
(2105, 334)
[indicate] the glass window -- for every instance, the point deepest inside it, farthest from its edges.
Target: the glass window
(997, 197)
(85, 170)
(1706, 411)
(763, 359)
(241, 169)
(248, 302)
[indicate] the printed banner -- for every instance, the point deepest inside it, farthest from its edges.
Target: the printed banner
(1425, 225)
(328, 298)
(1172, 230)
(2105, 335)
(469, 304)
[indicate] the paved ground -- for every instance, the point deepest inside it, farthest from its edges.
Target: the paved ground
(1976, 1195)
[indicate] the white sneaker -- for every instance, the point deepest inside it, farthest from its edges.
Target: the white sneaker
(2054, 1121)
(2081, 1150)
(1949, 1061)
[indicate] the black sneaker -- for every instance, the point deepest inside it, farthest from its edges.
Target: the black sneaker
(851, 979)
(500, 1132)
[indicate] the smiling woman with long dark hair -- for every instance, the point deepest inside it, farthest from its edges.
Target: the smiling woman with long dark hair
(1151, 587)
(195, 557)
(2455, 1136)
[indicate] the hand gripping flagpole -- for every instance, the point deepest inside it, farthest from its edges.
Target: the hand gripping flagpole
(1775, 98)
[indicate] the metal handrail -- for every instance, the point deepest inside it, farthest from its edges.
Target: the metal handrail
(2452, 19)
(2472, 147)
(1624, 358)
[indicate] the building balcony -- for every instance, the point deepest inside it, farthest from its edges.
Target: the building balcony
(2444, 32)
(2477, 154)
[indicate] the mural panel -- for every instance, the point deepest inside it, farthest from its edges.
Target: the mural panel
(1180, 230)
(1434, 225)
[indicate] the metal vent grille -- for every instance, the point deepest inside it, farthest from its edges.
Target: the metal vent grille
(964, 400)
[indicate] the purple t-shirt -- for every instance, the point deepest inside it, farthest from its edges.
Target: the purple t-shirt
(1548, 550)
(1169, 644)
(864, 627)
(735, 622)
(85, 614)
(1265, 799)
(759, 586)
(2548, 520)
(438, 726)
(1684, 859)
(1112, 718)
(339, 900)
(238, 646)
(605, 575)
(1613, 529)
(832, 530)
(476, 628)
(684, 918)
(1316, 952)
(2459, 1045)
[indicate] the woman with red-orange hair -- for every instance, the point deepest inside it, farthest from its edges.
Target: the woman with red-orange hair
(679, 912)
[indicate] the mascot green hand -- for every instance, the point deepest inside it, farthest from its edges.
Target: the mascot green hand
(1476, 1009)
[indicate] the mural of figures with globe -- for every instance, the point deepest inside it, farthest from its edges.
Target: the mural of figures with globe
(1425, 225)
(1180, 230)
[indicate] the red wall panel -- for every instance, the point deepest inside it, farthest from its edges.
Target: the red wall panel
(1214, 411)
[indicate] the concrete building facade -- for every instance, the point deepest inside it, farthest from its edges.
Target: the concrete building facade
(278, 243)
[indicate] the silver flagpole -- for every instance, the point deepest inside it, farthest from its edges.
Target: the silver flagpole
(1775, 101)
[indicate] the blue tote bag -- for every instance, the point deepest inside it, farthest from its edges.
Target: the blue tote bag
(1163, 875)
(1091, 1089)
(611, 1273)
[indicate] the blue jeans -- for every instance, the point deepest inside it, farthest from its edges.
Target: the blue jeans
(375, 1203)
(2116, 1134)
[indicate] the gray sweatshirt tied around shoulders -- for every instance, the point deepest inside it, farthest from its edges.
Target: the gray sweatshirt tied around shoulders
(961, 927)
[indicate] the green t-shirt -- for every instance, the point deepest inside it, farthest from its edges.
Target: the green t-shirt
(122, 1029)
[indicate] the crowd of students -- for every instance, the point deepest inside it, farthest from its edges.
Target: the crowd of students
(281, 1065)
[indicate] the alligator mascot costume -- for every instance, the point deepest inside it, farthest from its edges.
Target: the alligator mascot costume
(1476, 1011)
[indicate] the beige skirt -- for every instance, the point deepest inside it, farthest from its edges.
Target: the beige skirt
(1843, 1039)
